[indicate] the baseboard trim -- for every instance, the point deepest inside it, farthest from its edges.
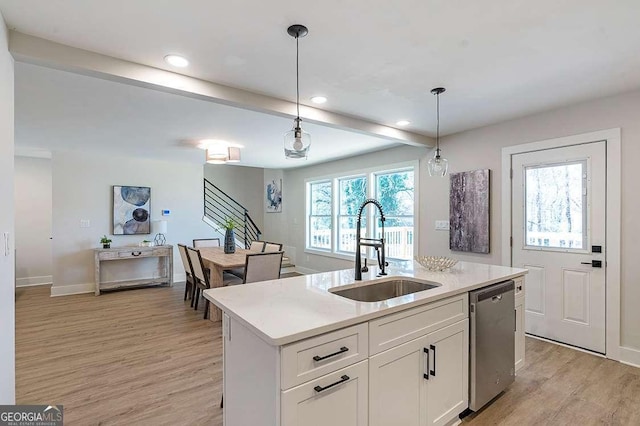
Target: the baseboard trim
(630, 356)
(67, 290)
(179, 277)
(33, 281)
(305, 271)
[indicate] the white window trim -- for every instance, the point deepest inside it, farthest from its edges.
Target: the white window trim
(369, 171)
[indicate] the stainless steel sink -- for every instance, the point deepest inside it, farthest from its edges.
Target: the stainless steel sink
(383, 290)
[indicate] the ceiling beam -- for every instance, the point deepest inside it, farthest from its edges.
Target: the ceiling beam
(39, 51)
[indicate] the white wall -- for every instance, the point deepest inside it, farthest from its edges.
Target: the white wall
(7, 261)
(82, 189)
(33, 210)
(481, 148)
(244, 184)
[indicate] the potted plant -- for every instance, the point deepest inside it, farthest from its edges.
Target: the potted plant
(106, 242)
(229, 236)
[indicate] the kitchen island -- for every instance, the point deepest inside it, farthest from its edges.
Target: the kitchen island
(295, 353)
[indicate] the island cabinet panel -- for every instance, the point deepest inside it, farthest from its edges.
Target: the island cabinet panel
(520, 337)
(311, 358)
(392, 330)
(336, 399)
(397, 387)
(448, 384)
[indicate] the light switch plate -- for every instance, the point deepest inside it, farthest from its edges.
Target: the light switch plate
(85, 223)
(442, 225)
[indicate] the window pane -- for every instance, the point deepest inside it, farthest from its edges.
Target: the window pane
(395, 193)
(347, 232)
(320, 232)
(353, 192)
(321, 198)
(555, 214)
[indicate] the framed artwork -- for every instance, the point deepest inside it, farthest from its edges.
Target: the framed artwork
(131, 210)
(469, 211)
(273, 193)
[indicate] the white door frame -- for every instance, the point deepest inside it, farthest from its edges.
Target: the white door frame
(613, 218)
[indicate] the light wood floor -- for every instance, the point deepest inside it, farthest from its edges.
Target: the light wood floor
(143, 357)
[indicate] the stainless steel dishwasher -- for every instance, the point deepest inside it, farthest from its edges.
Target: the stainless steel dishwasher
(492, 341)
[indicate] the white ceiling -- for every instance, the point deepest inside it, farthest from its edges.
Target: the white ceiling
(375, 59)
(59, 111)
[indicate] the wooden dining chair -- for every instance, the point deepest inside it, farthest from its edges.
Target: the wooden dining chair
(189, 287)
(272, 247)
(200, 277)
(257, 246)
(206, 242)
(262, 266)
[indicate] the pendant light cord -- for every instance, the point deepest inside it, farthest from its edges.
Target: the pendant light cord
(438, 124)
(298, 78)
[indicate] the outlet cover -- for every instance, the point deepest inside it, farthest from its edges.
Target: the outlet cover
(85, 223)
(442, 225)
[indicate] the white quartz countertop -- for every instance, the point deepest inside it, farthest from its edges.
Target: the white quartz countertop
(291, 309)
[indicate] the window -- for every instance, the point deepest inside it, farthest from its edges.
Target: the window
(556, 200)
(337, 201)
(320, 215)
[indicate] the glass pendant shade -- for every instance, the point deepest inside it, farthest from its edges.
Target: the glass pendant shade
(437, 166)
(297, 142)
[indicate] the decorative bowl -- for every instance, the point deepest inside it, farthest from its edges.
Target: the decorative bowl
(436, 263)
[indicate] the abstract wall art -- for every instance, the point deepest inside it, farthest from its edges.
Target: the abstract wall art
(469, 211)
(273, 193)
(131, 207)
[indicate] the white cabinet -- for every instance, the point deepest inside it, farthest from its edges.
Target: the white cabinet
(448, 384)
(336, 399)
(421, 382)
(519, 306)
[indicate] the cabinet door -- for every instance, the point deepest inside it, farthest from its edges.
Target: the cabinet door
(519, 333)
(397, 386)
(336, 399)
(448, 384)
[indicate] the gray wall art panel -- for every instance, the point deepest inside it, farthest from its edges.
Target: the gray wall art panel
(469, 211)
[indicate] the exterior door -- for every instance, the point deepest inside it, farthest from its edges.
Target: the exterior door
(558, 234)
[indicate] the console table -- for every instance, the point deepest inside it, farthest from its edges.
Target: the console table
(165, 265)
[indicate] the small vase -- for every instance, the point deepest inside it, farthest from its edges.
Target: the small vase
(106, 246)
(229, 241)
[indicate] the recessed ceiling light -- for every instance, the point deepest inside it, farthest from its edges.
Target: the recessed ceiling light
(176, 60)
(319, 99)
(403, 122)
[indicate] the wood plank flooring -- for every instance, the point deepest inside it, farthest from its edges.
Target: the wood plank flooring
(134, 357)
(143, 357)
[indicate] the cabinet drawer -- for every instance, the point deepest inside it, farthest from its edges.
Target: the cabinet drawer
(123, 254)
(519, 287)
(393, 330)
(339, 398)
(161, 252)
(309, 359)
(107, 255)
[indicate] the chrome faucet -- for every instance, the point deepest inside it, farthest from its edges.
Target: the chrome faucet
(377, 243)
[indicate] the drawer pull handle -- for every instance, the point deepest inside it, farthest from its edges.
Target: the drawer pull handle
(341, 351)
(342, 380)
(136, 253)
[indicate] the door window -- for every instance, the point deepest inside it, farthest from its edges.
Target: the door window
(556, 206)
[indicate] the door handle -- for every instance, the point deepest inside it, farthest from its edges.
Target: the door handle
(433, 372)
(426, 364)
(593, 263)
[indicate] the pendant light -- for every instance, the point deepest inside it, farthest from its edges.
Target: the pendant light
(296, 140)
(437, 165)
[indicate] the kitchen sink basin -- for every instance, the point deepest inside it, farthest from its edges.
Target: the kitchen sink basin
(383, 290)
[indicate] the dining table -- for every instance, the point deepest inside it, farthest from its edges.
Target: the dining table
(217, 261)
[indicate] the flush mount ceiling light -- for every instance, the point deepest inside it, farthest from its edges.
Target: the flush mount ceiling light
(220, 152)
(176, 60)
(296, 140)
(437, 165)
(403, 123)
(319, 99)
